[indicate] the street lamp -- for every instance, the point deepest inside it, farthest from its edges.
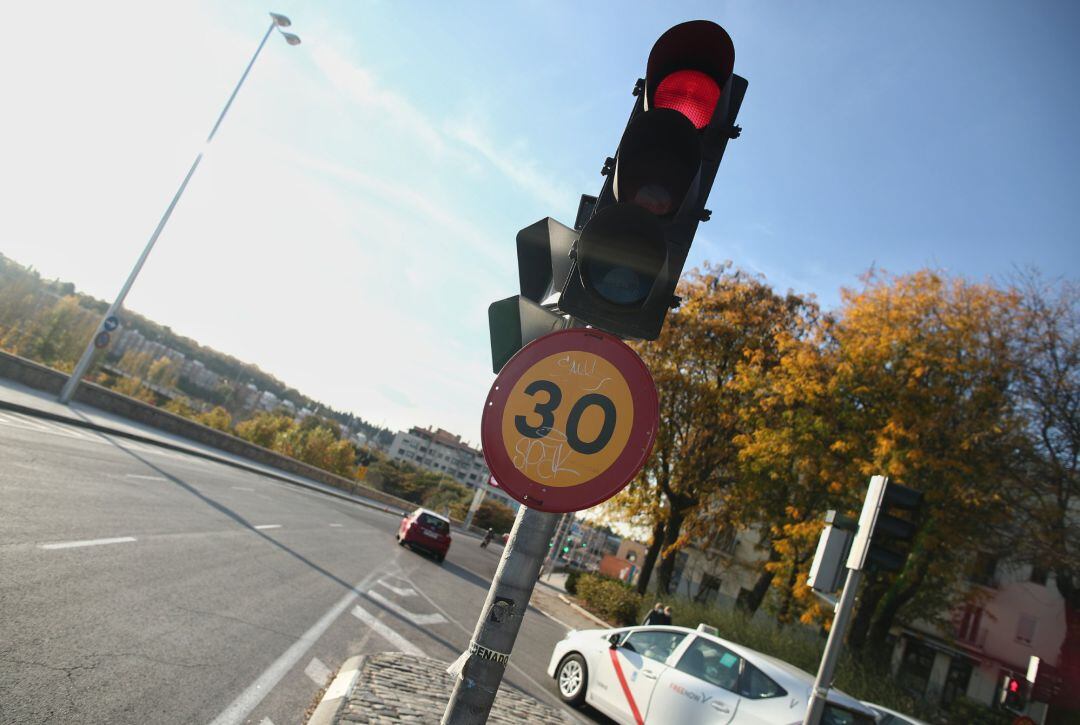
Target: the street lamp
(100, 338)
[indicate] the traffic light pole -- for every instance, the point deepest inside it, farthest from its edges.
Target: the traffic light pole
(479, 670)
(816, 707)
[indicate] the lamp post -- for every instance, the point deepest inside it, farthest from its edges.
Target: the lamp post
(107, 322)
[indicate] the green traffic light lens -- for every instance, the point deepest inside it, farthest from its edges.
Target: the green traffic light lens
(621, 252)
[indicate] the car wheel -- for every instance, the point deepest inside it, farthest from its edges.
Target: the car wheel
(439, 558)
(572, 679)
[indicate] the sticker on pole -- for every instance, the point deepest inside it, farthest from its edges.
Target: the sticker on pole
(569, 421)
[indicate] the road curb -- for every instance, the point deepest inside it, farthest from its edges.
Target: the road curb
(587, 613)
(90, 425)
(337, 694)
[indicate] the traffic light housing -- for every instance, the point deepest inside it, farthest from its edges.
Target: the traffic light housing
(1013, 695)
(630, 253)
(887, 526)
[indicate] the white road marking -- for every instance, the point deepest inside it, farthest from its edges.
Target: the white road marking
(384, 631)
(145, 478)
(335, 526)
(88, 542)
(397, 590)
(266, 721)
(26, 423)
(268, 526)
(422, 619)
(242, 488)
(250, 698)
(317, 672)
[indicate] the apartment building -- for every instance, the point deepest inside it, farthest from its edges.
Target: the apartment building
(444, 452)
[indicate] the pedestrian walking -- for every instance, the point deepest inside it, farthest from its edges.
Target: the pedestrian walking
(655, 615)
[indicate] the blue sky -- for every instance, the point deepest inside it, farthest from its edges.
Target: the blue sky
(357, 211)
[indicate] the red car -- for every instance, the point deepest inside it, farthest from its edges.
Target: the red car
(426, 530)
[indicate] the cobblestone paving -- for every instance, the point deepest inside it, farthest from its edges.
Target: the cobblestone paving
(398, 688)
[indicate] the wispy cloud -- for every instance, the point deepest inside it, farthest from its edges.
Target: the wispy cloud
(514, 164)
(360, 85)
(466, 136)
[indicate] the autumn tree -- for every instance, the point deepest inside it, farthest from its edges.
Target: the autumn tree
(910, 379)
(726, 318)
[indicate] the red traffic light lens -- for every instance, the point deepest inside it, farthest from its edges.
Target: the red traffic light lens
(690, 92)
(1014, 685)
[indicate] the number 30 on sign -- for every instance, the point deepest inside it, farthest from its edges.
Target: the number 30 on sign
(569, 421)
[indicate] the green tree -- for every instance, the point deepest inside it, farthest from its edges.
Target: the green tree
(218, 419)
(494, 515)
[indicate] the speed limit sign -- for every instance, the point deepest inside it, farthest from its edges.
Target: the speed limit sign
(569, 421)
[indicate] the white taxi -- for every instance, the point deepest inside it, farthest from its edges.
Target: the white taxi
(661, 675)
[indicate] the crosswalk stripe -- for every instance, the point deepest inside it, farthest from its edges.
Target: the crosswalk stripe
(414, 617)
(317, 672)
(378, 627)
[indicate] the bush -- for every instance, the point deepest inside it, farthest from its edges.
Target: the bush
(609, 599)
(572, 582)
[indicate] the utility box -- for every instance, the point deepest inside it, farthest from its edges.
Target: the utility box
(828, 570)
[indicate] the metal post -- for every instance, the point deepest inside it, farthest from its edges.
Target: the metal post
(816, 707)
(478, 498)
(480, 668)
(556, 545)
(84, 362)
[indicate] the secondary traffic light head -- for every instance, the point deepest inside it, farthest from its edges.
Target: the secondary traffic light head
(1013, 692)
(887, 526)
(630, 254)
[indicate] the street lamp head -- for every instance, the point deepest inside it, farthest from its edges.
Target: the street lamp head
(291, 39)
(281, 21)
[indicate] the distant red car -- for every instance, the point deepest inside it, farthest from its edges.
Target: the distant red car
(426, 530)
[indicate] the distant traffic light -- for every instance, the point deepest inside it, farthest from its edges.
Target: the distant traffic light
(630, 253)
(1013, 695)
(884, 537)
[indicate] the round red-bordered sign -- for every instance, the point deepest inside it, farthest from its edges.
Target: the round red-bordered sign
(569, 421)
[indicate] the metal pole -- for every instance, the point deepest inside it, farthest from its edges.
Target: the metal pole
(556, 545)
(816, 707)
(84, 362)
(480, 668)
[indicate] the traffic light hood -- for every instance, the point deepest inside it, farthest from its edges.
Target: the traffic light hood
(698, 45)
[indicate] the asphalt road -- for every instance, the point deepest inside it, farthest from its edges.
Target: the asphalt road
(143, 585)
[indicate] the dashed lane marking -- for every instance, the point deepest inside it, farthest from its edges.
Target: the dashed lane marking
(88, 542)
(317, 672)
(383, 630)
(335, 526)
(146, 478)
(242, 488)
(414, 617)
(263, 527)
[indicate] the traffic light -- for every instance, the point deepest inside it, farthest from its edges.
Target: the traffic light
(630, 253)
(543, 265)
(1013, 695)
(887, 526)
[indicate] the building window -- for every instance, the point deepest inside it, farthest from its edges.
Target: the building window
(957, 680)
(915, 669)
(970, 624)
(1025, 629)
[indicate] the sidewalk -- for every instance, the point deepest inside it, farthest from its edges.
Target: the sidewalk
(394, 687)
